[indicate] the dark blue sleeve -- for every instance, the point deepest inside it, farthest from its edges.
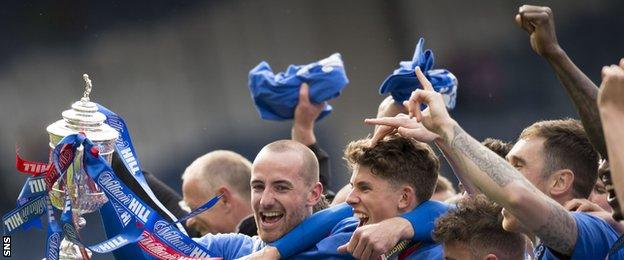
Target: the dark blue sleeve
(313, 229)
(339, 236)
(423, 218)
(594, 238)
(327, 248)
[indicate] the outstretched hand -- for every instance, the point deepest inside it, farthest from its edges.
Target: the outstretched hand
(424, 126)
(435, 116)
(404, 125)
(387, 108)
(539, 23)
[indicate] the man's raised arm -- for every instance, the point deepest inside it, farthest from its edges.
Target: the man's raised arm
(491, 174)
(539, 23)
(302, 131)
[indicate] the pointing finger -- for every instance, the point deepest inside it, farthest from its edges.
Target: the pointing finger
(424, 82)
(387, 121)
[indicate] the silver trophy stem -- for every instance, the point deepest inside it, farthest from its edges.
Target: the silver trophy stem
(84, 194)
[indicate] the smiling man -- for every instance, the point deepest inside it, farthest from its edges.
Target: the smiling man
(392, 183)
(284, 188)
(389, 179)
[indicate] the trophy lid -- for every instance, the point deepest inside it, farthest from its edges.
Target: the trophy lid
(84, 117)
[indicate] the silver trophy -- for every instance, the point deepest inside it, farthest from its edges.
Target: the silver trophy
(85, 195)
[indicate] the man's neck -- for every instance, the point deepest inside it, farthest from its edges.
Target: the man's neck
(240, 210)
(564, 198)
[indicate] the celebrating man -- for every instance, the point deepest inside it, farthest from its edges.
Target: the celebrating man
(553, 162)
(391, 178)
(284, 187)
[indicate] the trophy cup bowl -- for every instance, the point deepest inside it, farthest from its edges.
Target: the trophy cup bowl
(85, 195)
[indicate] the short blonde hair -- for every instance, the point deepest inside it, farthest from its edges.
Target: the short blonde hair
(310, 165)
(222, 167)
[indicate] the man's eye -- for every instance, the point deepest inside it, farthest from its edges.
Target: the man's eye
(600, 190)
(281, 188)
(257, 187)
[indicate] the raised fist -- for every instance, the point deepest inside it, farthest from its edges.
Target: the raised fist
(539, 23)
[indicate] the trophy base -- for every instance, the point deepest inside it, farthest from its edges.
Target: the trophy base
(71, 251)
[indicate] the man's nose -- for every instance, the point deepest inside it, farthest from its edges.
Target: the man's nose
(353, 198)
(267, 199)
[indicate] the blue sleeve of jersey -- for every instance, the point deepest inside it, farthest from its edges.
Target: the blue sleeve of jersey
(423, 218)
(327, 248)
(594, 238)
(313, 229)
(227, 246)
(339, 236)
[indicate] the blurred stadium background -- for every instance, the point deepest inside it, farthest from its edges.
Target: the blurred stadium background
(177, 71)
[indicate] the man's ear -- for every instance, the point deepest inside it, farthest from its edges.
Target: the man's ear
(561, 182)
(490, 257)
(315, 194)
(407, 198)
(226, 199)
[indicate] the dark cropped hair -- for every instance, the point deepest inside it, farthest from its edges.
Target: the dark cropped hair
(567, 147)
(399, 160)
(500, 147)
(477, 223)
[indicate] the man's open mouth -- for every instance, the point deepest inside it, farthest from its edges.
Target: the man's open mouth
(362, 216)
(271, 217)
